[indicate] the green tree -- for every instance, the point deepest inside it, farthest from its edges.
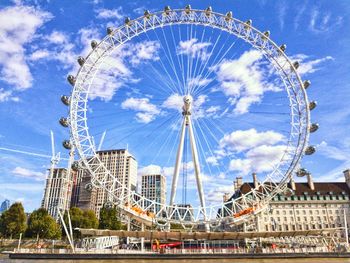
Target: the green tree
(13, 221)
(90, 220)
(110, 219)
(81, 219)
(41, 224)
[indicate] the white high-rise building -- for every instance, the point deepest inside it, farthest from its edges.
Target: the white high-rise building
(57, 194)
(122, 165)
(153, 187)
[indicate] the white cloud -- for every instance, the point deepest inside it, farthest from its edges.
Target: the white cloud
(252, 151)
(174, 102)
(116, 71)
(194, 49)
(23, 172)
(39, 54)
(307, 65)
(243, 140)
(103, 13)
(323, 22)
(56, 47)
(18, 27)
(198, 81)
(332, 152)
(146, 111)
(281, 12)
(259, 159)
(57, 37)
(143, 51)
(6, 95)
(244, 80)
(212, 111)
(150, 169)
(216, 195)
(212, 160)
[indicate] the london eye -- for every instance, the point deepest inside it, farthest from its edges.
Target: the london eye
(202, 95)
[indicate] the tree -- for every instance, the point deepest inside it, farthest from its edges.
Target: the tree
(110, 219)
(90, 219)
(41, 224)
(13, 221)
(81, 218)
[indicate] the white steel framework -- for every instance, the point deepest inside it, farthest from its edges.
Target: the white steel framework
(187, 123)
(244, 206)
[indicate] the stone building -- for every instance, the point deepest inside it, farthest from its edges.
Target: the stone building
(313, 205)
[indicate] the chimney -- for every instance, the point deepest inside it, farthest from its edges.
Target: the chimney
(235, 186)
(310, 181)
(347, 177)
(239, 181)
(255, 180)
(292, 184)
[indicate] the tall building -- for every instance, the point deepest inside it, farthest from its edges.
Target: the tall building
(86, 197)
(122, 165)
(76, 181)
(153, 187)
(312, 205)
(4, 205)
(185, 212)
(57, 194)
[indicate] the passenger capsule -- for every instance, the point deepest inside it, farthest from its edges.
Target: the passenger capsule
(81, 61)
(64, 122)
(167, 10)
(312, 105)
(266, 35)
(283, 47)
(147, 14)
(296, 64)
(302, 172)
(88, 187)
(306, 84)
(208, 11)
(65, 100)
(188, 9)
(127, 21)
(94, 44)
(71, 79)
(66, 144)
(247, 24)
(310, 150)
(108, 205)
(75, 166)
(228, 16)
(314, 127)
(109, 30)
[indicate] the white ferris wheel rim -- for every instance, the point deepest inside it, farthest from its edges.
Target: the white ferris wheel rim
(299, 105)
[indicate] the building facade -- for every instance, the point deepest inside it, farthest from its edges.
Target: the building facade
(313, 205)
(76, 181)
(122, 165)
(153, 187)
(57, 193)
(4, 205)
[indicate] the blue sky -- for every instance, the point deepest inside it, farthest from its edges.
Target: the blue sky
(40, 42)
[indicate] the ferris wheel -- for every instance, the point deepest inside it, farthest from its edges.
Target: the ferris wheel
(189, 60)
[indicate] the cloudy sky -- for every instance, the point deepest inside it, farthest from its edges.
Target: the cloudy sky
(240, 109)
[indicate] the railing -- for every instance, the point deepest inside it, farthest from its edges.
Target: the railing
(239, 250)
